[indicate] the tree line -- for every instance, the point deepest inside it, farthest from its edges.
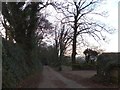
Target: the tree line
(26, 25)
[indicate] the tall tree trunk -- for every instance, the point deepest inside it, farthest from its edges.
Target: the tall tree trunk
(57, 52)
(74, 43)
(61, 56)
(74, 51)
(60, 61)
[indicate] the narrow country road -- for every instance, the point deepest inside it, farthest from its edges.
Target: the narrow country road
(52, 79)
(49, 78)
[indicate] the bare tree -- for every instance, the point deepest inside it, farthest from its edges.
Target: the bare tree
(44, 27)
(77, 14)
(62, 41)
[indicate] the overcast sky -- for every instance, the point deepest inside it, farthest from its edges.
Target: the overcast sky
(112, 20)
(112, 7)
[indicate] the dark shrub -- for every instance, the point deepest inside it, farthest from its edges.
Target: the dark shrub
(14, 67)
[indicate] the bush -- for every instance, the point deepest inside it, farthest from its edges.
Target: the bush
(76, 66)
(84, 66)
(106, 63)
(37, 65)
(14, 67)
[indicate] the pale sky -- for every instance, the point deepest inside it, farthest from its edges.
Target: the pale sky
(112, 7)
(112, 20)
